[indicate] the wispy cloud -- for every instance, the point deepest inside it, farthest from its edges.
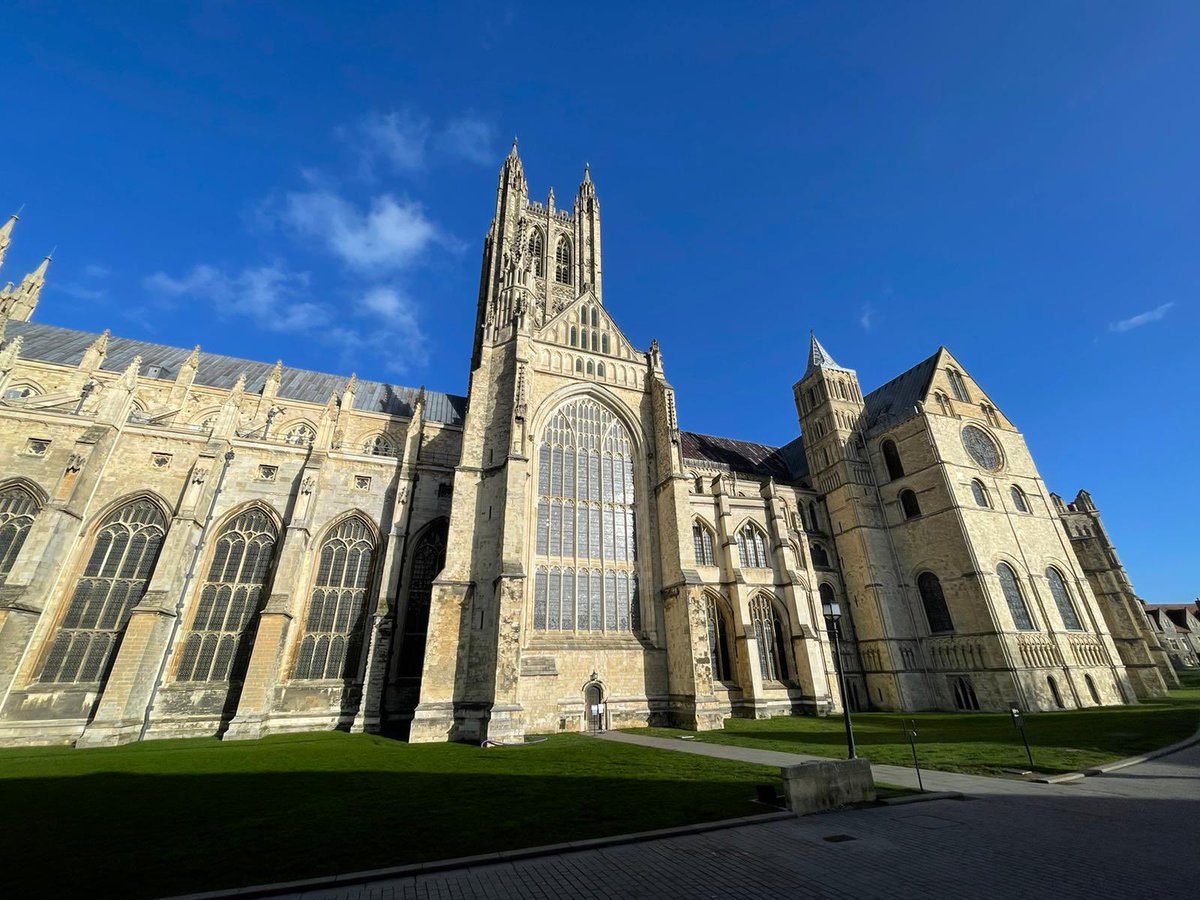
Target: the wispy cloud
(1152, 315)
(469, 138)
(272, 296)
(80, 291)
(866, 318)
(404, 141)
(95, 271)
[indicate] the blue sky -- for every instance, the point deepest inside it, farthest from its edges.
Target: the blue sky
(313, 182)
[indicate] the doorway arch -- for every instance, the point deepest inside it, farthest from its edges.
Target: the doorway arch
(595, 709)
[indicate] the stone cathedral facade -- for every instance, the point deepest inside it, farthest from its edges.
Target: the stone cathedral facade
(193, 544)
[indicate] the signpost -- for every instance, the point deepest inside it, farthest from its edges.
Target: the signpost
(911, 730)
(1019, 721)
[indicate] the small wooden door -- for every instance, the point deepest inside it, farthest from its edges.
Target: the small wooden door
(593, 708)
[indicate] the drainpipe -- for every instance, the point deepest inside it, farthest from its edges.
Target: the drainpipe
(187, 581)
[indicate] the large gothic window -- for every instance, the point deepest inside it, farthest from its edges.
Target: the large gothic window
(1014, 598)
(429, 558)
(1062, 599)
(718, 639)
(752, 547)
(702, 539)
(891, 458)
(18, 508)
(112, 583)
(586, 557)
(333, 628)
(937, 613)
(218, 647)
(562, 261)
(770, 636)
(958, 385)
(536, 252)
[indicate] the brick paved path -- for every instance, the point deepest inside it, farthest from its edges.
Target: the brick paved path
(1133, 833)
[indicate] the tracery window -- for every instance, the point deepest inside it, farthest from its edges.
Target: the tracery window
(989, 413)
(964, 694)
(586, 555)
(702, 539)
(937, 613)
(429, 558)
(908, 502)
(333, 628)
(891, 458)
(301, 435)
(380, 445)
(769, 635)
(218, 647)
(752, 547)
(1018, 498)
(1062, 599)
(536, 251)
(562, 261)
(958, 385)
(943, 403)
(1014, 598)
(979, 492)
(718, 639)
(18, 508)
(112, 583)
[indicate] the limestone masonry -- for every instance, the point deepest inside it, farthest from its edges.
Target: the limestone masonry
(192, 544)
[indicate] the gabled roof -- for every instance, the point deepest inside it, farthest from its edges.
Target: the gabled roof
(65, 346)
(786, 463)
(893, 402)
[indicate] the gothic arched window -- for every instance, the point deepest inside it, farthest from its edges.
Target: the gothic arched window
(958, 385)
(769, 634)
(604, 342)
(1054, 692)
(820, 556)
(964, 694)
(943, 403)
(536, 251)
(380, 445)
(112, 583)
(599, 370)
(1014, 598)
(908, 502)
(428, 560)
(574, 336)
(562, 261)
(18, 508)
(752, 546)
(814, 523)
(718, 639)
(1018, 498)
(301, 435)
(595, 317)
(591, 367)
(937, 613)
(586, 568)
(702, 539)
(891, 458)
(989, 413)
(979, 492)
(218, 647)
(333, 628)
(1062, 599)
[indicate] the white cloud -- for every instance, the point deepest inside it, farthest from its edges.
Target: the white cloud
(1152, 315)
(389, 236)
(95, 271)
(270, 295)
(398, 138)
(79, 291)
(866, 318)
(469, 138)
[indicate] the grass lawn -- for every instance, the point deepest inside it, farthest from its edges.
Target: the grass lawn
(168, 817)
(980, 743)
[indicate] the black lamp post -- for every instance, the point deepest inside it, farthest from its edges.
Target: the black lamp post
(833, 613)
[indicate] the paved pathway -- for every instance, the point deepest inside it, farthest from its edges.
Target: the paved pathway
(1130, 834)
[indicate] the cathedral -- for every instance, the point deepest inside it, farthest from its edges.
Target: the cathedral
(194, 544)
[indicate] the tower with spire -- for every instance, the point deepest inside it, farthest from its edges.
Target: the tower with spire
(833, 423)
(18, 302)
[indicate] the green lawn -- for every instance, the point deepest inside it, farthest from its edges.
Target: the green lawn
(981, 743)
(188, 815)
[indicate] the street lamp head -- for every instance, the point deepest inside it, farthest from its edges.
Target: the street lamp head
(831, 608)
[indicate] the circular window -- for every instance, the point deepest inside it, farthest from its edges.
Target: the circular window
(981, 447)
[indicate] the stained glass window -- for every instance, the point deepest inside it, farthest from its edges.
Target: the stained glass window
(1014, 597)
(718, 639)
(218, 646)
(1062, 599)
(769, 635)
(18, 508)
(702, 538)
(112, 583)
(562, 261)
(981, 447)
(752, 547)
(333, 628)
(429, 557)
(585, 572)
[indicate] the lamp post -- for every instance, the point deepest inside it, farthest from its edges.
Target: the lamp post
(833, 613)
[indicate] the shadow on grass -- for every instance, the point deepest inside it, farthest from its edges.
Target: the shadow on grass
(148, 835)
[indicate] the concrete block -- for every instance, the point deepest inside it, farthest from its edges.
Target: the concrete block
(827, 784)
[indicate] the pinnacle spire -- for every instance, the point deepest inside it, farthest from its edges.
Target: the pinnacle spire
(6, 235)
(818, 356)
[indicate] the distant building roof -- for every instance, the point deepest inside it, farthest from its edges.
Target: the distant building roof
(66, 346)
(893, 402)
(786, 463)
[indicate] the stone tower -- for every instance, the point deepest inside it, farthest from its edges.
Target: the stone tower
(832, 420)
(18, 302)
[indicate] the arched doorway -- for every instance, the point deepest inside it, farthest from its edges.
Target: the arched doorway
(593, 708)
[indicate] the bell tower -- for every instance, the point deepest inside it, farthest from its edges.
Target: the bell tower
(832, 415)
